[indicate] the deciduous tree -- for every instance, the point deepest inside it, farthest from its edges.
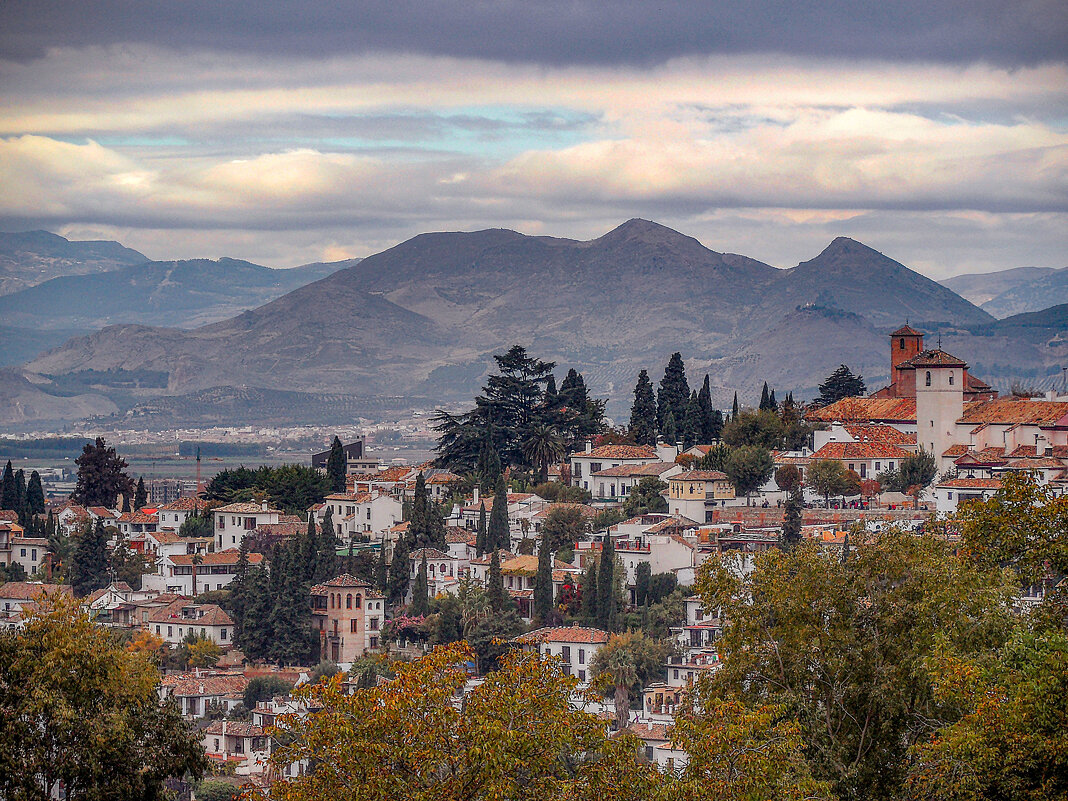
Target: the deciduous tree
(748, 468)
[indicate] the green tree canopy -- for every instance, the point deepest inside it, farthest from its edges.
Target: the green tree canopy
(674, 393)
(840, 384)
(646, 497)
(564, 526)
(101, 476)
(643, 425)
(337, 466)
(748, 468)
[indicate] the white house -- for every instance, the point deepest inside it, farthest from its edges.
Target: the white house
(443, 571)
(696, 494)
(173, 514)
(574, 646)
(179, 619)
(132, 524)
(615, 483)
(30, 552)
(593, 460)
(665, 553)
(245, 746)
(235, 521)
(866, 459)
(197, 691)
(363, 513)
(949, 494)
(212, 571)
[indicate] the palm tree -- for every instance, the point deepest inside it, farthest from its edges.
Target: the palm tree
(197, 559)
(542, 447)
(624, 673)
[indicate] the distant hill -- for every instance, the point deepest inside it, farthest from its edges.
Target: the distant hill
(33, 257)
(185, 294)
(1009, 292)
(423, 319)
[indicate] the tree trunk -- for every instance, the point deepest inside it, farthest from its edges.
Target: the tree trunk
(622, 707)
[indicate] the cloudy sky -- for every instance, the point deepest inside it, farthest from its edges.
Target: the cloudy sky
(281, 132)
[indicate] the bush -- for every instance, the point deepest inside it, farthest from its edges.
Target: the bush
(215, 790)
(264, 688)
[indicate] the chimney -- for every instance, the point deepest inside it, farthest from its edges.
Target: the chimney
(264, 505)
(589, 446)
(476, 496)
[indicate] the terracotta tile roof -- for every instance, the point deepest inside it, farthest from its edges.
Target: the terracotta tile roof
(1007, 411)
(629, 470)
(354, 497)
(782, 458)
(247, 509)
(651, 732)
(587, 511)
(443, 477)
(78, 510)
(678, 521)
(972, 483)
(618, 452)
(580, 634)
(513, 497)
(228, 684)
(892, 410)
(163, 537)
(9, 516)
(1024, 452)
(1037, 463)
(455, 535)
(189, 504)
(700, 475)
(935, 358)
(879, 433)
(28, 590)
(345, 581)
(907, 331)
(230, 556)
(138, 517)
(40, 542)
(503, 556)
(955, 450)
(103, 511)
(859, 450)
(234, 728)
(432, 554)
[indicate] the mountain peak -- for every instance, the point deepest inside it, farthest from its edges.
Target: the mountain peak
(639, 230)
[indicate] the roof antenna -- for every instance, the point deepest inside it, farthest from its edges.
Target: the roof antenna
(940, 340)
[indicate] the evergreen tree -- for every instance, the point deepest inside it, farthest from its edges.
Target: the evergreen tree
(773, 405)
(704, 402)
(239, 588)
(8, 497)
(643, 411)
(337, 466)
(310, 548)
(326, 562)
(489, 462)
(840, 384)
(552, 397)
(420, 591)
(20, 491)
(495, 591)
(764, 398)
(716, 429)
(674, 392)
(606, 585)
(256, 633)
(642, 572)
(89, 568)
(426, 528)
(381, 573)
(669, 431)
(589, 589)
(140, 495)
(101, 476)
(791, 523)
(543, 580)
(573, 392)
(734, 408)
(498, 534)
(35, 498)
(692, 428)
(481, 544)
(399, 573)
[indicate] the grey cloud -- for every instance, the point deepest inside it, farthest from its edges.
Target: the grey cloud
(558, 31)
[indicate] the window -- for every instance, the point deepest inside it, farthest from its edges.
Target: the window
(24, 552)
(368, 512)
(358, 599)
(222, 635)
(565, 653)
(353, 625)
(582, 656)
(216, 745)
(374, 642)
(595, 467)
(239, 746)
(348, 601)
(951, 379)
(170, 631)
(878, 467)
(901, 343)
(582, 675)
(157, 629)
(374, 624)
(222, 523)
(927, 379)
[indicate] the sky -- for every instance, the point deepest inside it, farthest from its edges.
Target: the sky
(286, 133)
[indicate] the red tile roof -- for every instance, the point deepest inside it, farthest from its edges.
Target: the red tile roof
(892, 410)
(455, 535)
(188, 504)
(138, 517)
(859, 450)
(1007, 411)
(618, 452)
(189, 684)
(907, 330)
(651, 732)
(345, 581)
(879, 433)
(234, 728)
(230, 556)
(628, 470)
(972, 483)
(935, 358)
(700, 475)
(28, 590)
(580, 634)
(247, 509)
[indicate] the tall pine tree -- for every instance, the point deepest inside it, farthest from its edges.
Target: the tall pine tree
(543, 580)
(35, 498)
(8, 498)
(643, 421)
(669, 432)
(89, 568)
(140, 495)
(337, 466)
(791, 523)
(606, 586)
(495, 591)
(674, 392)
(734, 408)
(482, 535)
(764, 398)
(704, 403)
(498, 534)
(693, 427)
(589, 590)
(420, 591)
(399, 573)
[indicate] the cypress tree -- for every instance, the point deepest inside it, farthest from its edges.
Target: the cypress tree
(337, 466)
(35, 499)
(495, 591)
(606, 586)
(20, 491)
(589, 589)
(381, 573)
(734, 408)
(417, 515)
(543, 580)
(326, 563)
(573, 392)
(552, 398)
(498, 534)
(764, 398)
(704, 402)
(643, 411)
(399, 573)
(791, 523)
(674, 391)
(773, 405)
(140, 495)
(89, 564)
(8, 496)
(716, 430)
(481, 545)
(693, 427)
(256, 632)
(641, 582)
(420, 591)
(239, 589)
(669, 431)
(489, 461)
(310, 549)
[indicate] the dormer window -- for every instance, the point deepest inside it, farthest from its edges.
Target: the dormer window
(928, 379)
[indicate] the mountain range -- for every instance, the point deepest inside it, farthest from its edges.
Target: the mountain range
(417, 325)
(1007, 292)
(30, 258)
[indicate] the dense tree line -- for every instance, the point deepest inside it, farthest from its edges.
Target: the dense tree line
(676, 413)
(23, 496)
(293, 487)
(520, 420)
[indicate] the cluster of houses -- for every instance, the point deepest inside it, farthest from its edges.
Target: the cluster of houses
(932, 404)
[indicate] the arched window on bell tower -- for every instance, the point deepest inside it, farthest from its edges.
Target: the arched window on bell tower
(927, 379)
